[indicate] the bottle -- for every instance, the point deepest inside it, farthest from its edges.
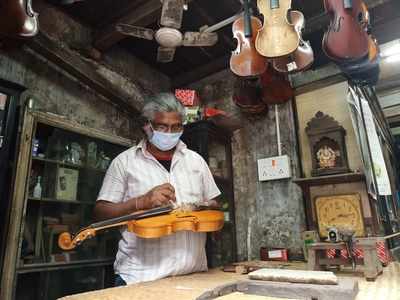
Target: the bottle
(37, 191)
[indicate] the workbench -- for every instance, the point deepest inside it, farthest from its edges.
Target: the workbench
(177, 288)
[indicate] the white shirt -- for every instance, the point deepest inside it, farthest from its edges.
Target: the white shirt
(133, 173)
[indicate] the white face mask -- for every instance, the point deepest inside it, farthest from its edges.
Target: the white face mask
(164, 141)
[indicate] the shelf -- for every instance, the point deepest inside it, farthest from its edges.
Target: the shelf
(62, 201)
(40, 267)
(330, 179)
(65, 164)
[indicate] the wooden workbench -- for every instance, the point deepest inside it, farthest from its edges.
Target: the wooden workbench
(177, 288)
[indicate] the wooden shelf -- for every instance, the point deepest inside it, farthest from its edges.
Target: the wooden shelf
(51, 200)
(40, 267)
(66, 164)
(330, 179)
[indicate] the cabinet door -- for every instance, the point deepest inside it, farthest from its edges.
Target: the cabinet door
(66, 174)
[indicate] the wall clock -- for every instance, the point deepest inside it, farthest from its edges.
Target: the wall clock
(340, 211)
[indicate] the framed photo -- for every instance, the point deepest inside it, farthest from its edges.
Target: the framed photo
(67, 184)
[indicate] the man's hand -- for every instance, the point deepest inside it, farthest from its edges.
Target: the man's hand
(160, 195)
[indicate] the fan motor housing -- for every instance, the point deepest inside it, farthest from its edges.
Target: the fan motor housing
(169, 37)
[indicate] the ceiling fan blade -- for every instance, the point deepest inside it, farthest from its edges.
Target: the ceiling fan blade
(165, 55)
(135, 31)
(172, 13)
(199, 39)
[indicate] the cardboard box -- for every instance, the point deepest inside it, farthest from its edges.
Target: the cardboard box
(187, 97)
(278, 254)
(67, 184)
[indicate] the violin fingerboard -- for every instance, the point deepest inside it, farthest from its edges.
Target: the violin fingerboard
(348, 4)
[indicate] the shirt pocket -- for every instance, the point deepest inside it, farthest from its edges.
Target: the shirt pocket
(191, 187)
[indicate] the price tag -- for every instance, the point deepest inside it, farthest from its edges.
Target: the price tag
(292, 66)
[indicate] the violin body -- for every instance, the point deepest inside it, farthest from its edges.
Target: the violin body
(300, 59)
(245, 60)
(196, 221)
(152, 223)
(346, 38)
(277, 37)
(17, 19)
(247, 95)
(276, 88)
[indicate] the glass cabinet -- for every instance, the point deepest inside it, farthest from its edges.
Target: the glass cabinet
(61, 174)
(214, 145)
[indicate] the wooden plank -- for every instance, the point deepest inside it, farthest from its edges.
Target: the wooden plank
(83, 70)
(17, 210)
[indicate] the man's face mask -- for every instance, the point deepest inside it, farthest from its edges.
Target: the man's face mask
(164, 141)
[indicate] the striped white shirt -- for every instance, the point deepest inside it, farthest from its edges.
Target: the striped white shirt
(133, 173)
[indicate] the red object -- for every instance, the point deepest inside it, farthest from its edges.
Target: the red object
(381, 250)
(278, 254)
(187, 97)
(210, 112)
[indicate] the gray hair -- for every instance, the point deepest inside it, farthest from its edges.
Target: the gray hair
(163, 102)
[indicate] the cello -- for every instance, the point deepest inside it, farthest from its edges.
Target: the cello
(17, 19)
(276, 88)
(277, 37)
(152, 223)
(303, 57)
(346, 38)
(245, 60)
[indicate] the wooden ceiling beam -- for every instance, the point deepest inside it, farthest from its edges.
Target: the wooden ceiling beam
(143, 15)
(84, 71)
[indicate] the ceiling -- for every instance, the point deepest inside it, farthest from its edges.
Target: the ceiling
(193, 63)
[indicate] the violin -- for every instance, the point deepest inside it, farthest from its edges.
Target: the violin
(346, 38)
(276, 88)
(277, 37)
(153, 223)
(247, 95)
(303, 57)
(17, 19)
(245, 60)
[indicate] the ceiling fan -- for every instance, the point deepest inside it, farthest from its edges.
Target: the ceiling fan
(168, 35)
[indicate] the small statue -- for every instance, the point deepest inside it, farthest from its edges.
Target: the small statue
(326, 157)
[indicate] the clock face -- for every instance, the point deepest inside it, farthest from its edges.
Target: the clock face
(341, 211)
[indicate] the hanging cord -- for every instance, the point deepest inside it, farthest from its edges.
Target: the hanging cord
(278, 133)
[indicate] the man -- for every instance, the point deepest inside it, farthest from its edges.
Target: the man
(156, 172)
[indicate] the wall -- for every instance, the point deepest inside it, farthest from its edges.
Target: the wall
(267, 213)
(58, 92)
(331, 100)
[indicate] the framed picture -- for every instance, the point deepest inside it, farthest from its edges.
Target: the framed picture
(67, 184)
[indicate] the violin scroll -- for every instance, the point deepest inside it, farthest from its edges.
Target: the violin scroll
(66, 242)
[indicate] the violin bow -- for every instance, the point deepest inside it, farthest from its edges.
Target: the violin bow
(66, 241)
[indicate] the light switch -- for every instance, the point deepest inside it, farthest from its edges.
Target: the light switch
(274, 168)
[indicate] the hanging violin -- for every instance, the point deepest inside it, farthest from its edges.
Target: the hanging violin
(17, 19)
(247, 95)
(346, 39)
(245, 60)
(300, 59)
(275, 87)
(277, 37)
(152, 223)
